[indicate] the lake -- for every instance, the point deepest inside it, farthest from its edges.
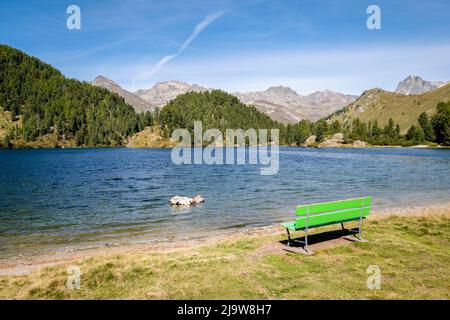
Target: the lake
(61, 199)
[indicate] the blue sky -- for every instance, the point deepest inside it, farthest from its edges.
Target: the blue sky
(237, 45)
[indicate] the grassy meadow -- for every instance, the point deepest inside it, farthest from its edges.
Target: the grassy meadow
(413, 254)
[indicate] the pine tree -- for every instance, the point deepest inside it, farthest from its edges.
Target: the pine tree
(441, 123)
(426, 126)
(415, 134)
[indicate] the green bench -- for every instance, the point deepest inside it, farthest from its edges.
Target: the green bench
(315, 215)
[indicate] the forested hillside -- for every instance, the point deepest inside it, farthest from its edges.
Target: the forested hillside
(216, 109)
(44, 103)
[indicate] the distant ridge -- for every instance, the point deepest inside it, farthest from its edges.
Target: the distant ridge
(281, 103)
(286, 105)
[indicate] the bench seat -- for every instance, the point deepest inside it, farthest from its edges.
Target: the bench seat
(291, 224)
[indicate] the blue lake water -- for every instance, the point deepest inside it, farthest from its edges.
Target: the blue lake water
(68, 198)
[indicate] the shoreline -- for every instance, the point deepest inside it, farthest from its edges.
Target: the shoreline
(19, 265)
(341, 146)
(302, 147)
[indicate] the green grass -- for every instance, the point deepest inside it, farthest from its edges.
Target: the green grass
(413, 254)
(381, 105)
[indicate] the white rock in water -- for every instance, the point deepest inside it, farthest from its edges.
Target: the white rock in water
(185, 201)
(198, 199)
(180, 201)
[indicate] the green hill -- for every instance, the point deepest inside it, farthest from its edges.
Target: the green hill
(46, 106)
(216, 109)
(380, 105)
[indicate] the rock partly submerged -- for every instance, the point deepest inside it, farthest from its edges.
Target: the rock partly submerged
(185, 201)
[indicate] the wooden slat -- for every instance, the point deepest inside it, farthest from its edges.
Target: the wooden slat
(317, 208)
(330, 217)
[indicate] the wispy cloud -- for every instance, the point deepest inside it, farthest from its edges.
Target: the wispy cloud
(101, 48)
(195, 32)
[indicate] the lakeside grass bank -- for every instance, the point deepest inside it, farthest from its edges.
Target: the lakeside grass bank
(412, 252)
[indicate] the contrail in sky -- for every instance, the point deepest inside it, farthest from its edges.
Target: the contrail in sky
(197, 30)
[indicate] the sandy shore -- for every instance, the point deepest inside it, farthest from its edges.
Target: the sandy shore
(23, 265)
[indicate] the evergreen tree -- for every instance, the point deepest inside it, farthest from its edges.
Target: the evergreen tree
(415, 134)
(303, 131)
(441, 123)
(426, 126)
(389, 129)
(321, 129)
(335, 127)
(359, 130)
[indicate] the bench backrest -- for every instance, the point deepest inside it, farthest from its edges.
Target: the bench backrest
(329, 212)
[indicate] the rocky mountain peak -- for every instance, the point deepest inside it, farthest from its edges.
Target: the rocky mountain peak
(101, 78)
(281, 90)
(102, 81)
(172, 84)
(132, 99)
(162, 92)
(416, 85)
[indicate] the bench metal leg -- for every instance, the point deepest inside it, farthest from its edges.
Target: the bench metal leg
(306, 241)
(360, 237)
(360, 230)
(306, 232)
(289, 237)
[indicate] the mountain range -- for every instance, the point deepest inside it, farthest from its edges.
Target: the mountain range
(280, 103)
(286, 105)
